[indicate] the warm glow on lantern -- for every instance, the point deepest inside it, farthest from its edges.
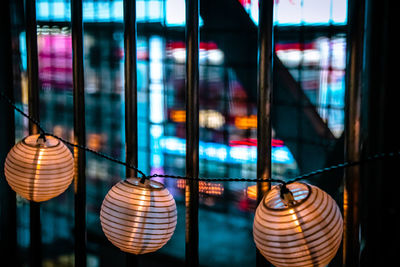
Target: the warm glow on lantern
(138, 217)
(305, 232)
(39, 169)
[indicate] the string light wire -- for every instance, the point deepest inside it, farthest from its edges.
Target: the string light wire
(348, 164)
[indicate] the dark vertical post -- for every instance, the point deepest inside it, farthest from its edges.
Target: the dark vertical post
(8, 208)
(79, 133)
(33, 107)
(351, 209)
(192, 132)
(32, 63)
(131, 134)
(131, 116)
(378, 193)
(264, 101)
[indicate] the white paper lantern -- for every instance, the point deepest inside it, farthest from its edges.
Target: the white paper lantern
(306, 232)
(138, 217)
(38, 170)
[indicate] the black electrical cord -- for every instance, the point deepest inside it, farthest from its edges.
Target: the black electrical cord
(102, 155)
(283, 183)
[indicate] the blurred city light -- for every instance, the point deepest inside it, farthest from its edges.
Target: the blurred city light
(209, 53)
(207, 118)
(204, 187)
(223, 153)
(306, 12)
(246, 122)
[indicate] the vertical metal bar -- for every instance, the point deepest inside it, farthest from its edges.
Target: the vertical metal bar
(79, 133)
(131, 117)
(192, 132)
(33, 107)
(32, 63)
(8, 207)
(355, 53)
(264, 101)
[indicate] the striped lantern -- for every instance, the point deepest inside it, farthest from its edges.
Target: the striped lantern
(306, 231)
(39, 169)
(138, 217)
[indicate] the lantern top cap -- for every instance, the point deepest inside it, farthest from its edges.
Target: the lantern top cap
(273, 201)
(32, 141)
(147, 185)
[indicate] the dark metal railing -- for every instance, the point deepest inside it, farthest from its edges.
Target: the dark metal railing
(131, 114)
(192, 132)
(264, 133)
(33, 107)
(79, 132)
(8, 205)
(354, 82)
(264, 101)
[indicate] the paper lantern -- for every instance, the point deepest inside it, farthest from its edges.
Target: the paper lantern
(304, 229)
(138, 217)
(39, 169)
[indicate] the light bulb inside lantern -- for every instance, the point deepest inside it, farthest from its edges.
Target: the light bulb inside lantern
(302, 227)
(138, 217)
(39, 167)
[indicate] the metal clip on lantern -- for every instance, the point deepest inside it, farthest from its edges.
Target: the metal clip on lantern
(297, 225)
(39, 167)
(287, 196)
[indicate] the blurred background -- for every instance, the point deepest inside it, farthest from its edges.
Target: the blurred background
(308, 112)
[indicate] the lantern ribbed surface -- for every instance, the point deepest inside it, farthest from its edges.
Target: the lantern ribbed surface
(138, 217)
(37, 170)
(306, 233)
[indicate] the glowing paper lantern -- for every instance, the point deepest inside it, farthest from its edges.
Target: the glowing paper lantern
(304, 229)
(38, 169)
(138, 217)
